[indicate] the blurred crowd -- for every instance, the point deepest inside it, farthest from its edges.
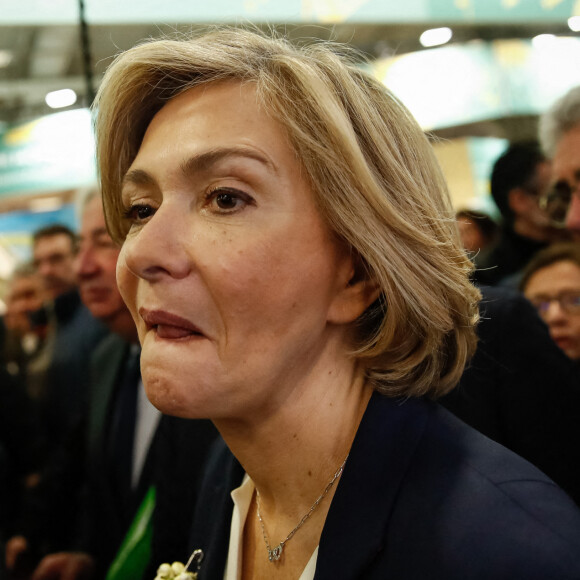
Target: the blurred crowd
(84, 456)
(533, 246)
(80, 443)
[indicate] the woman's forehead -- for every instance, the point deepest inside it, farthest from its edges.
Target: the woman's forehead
(208, 127)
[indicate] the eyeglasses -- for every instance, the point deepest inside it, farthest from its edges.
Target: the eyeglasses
(556, 202)
(568, 301)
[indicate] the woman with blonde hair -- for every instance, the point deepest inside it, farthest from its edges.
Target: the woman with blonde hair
(290, 258)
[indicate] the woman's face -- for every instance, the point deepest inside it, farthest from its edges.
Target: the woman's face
(235, 283)
(555, 291)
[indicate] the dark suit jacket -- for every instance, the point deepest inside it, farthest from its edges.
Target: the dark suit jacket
(182, 449)
(173, 465)
(521, 390)
(107, 517)
(20, 448)
(77, 334)
(77, 506)
(422, 496)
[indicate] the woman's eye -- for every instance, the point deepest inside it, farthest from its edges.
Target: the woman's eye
(139, 212)
(228, 200)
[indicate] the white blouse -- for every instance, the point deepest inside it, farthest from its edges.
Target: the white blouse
(242, 497)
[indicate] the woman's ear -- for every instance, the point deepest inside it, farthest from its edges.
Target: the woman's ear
(356, 293)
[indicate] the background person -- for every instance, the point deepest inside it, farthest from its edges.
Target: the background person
(289, 259)
(559, 131)
(519, 177)
(520, 389)
(117, 451)
(24, 296)
(478, 233)
(54, 248)
(71, 335)
(96, 521)
(26, 329)
(551, 282)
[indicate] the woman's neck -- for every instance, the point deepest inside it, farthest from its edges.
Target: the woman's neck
(292, 453)
(291, 446)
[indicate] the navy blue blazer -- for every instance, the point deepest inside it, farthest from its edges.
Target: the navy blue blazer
(422, 496)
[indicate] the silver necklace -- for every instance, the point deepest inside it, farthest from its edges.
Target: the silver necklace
(274, 554)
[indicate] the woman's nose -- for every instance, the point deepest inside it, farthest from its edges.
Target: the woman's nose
(555, 314)
(158, 248)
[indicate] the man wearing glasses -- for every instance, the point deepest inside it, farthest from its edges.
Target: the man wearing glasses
(560, 138)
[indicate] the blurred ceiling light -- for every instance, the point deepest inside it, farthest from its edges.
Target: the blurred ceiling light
(574, 23)
(62, 98)
(5, 58)
(543, 40)
(435, 36)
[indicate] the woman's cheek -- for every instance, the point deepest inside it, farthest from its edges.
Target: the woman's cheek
(127, 283)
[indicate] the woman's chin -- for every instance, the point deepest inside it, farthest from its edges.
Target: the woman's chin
(164, 394)
(178, 398)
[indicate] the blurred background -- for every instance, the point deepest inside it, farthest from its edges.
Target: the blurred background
(475, 73)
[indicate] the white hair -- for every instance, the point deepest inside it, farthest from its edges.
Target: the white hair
(562, 116)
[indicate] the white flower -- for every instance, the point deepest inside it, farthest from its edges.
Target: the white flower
(175, 571)
(178, 571)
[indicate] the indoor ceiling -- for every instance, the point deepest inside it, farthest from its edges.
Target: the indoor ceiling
(35, 60)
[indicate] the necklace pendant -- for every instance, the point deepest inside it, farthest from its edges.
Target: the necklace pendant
(275, 554)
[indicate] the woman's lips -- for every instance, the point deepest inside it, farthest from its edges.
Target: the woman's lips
(563, 342)
(165, 331)
(168, 325)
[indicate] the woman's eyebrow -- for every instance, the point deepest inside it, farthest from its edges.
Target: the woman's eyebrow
(201, 162)
(204, 161)
(137, 177)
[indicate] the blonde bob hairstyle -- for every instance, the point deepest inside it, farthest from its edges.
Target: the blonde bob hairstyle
(371, 169)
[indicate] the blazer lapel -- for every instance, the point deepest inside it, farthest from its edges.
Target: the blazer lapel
(211, 531)
(358, 519)
(106, 366)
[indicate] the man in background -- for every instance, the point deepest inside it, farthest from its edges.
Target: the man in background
(21, 444)
(54, 250)
(560, 139)
(25, 331)
(519, 178)
(107, 436)
(520, 389)
(22, 348)
(71, 336)
(120, 439)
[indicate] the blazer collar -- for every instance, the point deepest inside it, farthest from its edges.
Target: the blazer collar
(216, 512)
(357, 522)
(359, 515)
(107, 363)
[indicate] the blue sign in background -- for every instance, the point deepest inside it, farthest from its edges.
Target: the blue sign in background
(16, 228)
